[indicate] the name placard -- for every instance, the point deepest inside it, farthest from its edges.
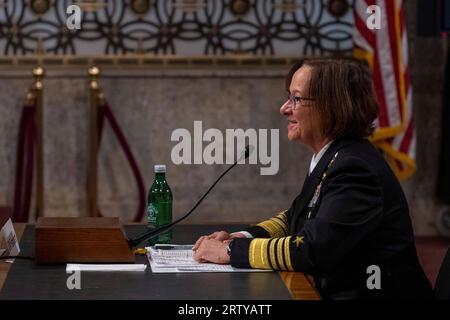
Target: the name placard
(9, 246)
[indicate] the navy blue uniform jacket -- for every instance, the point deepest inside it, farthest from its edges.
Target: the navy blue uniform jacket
(350, 222)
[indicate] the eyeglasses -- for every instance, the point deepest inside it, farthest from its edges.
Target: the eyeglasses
(295, 101)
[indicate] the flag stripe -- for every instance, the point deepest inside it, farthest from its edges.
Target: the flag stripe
(367, 35)
(379, 88)
(387, 50)
(391, 18)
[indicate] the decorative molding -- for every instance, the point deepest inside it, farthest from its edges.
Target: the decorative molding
(240, 7)
(178, 27)
(338, 8)
(139, 61)
(39, 7)
(141, 7)
(145, 66)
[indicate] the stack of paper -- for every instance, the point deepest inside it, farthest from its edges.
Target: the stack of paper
(180, 258)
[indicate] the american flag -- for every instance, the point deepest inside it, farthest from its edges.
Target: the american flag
(386, 51)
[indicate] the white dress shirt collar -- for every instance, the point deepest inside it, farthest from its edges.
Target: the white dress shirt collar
(316, 157)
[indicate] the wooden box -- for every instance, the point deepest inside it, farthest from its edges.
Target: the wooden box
(82, 240)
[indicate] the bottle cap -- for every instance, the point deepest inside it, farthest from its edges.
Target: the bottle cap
(160, 168)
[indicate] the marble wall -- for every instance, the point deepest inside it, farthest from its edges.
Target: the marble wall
(427, 61)
(148, 110)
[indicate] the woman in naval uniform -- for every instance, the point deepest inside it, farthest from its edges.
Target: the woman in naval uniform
(351, 216)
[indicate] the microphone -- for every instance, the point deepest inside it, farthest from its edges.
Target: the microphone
(154, 232)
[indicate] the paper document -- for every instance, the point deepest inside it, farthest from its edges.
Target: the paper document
(71, 267)
(180, 258)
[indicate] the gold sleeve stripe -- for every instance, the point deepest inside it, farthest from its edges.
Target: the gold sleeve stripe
(272, 256)
(266, 226)
(276, 226)
(263, 225)
(258, 254)
(280, 232)
(287, 254)
(280, 218)
(272, 228)
(280, 253)
(282, 225)
(283, 216)
(275, 253)
(265, 253)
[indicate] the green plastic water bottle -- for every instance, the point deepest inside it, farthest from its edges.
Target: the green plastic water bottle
(159, 206)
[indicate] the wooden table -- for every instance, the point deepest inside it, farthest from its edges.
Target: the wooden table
(299, 286)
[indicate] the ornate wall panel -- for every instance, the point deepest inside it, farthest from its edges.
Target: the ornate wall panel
(178, 27)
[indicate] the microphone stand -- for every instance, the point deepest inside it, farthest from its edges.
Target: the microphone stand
(152, 233)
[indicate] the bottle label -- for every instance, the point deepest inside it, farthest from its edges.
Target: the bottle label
(152, 214)
(160, 213)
